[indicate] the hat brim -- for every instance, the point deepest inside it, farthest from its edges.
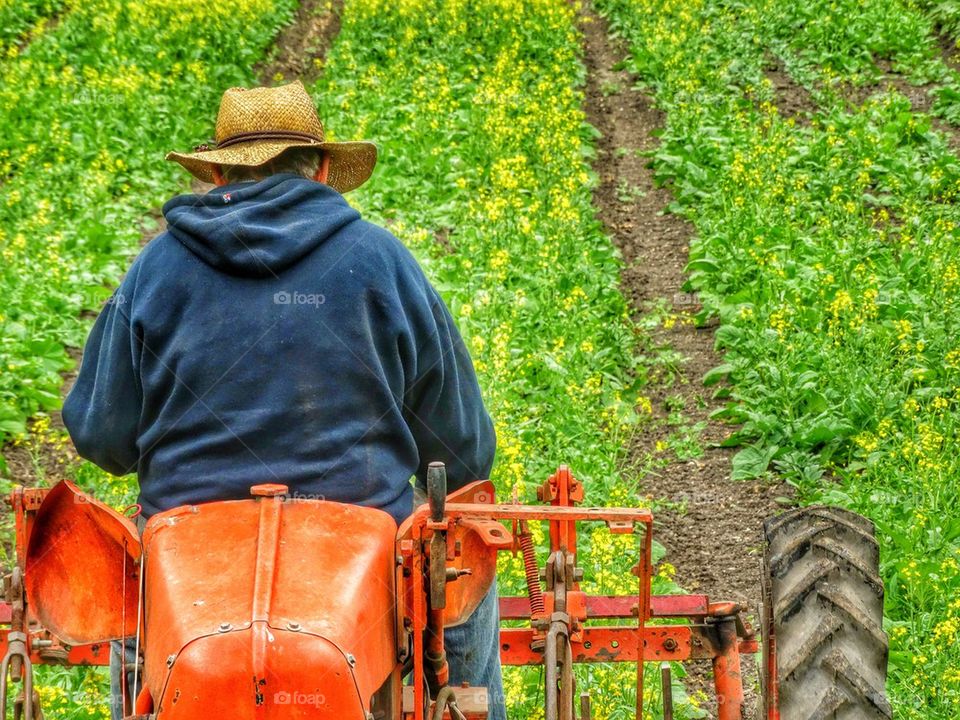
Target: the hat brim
(351, 163)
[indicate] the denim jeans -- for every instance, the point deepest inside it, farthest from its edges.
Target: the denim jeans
(116, 665)
(473, 651)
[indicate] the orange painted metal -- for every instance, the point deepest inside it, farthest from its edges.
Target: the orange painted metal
(81, 570)
(644, 572)
(562, 490)
(770, 680)
(144, 703)
(613, 644)
(748, 647)
(602, 644)
(619, 643)
(473, 546)
(417, 612)
(608, 515)
(617, 606)
(276, 608)
(95, 654)
(268, 608)
(25, 502)
(726, 672)
(302, 676)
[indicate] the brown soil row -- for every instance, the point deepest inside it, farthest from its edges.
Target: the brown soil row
(712, 525)
(792, 99)
(795, 101)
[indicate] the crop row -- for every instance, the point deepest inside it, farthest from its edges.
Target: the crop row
(89, 104)
(22, 19)
(827, 246)
(88, 109)
(484, 174)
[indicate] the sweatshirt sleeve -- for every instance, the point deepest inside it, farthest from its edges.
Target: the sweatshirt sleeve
(445, 409)
(102, 411)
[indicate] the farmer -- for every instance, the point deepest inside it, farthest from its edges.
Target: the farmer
(271, 335)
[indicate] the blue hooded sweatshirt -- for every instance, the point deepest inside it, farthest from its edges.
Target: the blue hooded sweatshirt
(271, 335)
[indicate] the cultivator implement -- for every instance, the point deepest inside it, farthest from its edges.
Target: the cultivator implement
(565, 624)
(279, 607)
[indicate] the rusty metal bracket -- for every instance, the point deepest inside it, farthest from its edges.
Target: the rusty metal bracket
(16, 664)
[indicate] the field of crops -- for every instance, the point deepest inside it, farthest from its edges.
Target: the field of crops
(809, 144)
(827, 246)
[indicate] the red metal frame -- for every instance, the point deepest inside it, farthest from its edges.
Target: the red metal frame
(712, 631)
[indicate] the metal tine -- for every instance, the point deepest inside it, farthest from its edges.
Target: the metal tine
(667, 688)
(585, 706)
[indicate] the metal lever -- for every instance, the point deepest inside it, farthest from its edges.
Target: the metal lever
(437, 489)
(435, 656)
(584, 706)
(16, 665)
(437, 497)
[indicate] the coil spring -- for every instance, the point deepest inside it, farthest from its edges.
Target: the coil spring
(532, 571)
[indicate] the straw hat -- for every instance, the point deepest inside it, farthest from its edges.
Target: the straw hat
(256, 125)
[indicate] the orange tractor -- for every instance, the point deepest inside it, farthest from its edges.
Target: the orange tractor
(280, 608)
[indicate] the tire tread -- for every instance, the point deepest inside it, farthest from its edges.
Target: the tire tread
(825, 598)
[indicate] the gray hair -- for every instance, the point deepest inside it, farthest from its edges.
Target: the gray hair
(299, 160)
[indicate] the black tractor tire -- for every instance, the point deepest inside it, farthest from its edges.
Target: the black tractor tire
(822, 616)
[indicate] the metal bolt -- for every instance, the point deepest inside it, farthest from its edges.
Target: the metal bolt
(351, 660)
(670, 644)
(170, 660)
(294, 626)
(225, 627)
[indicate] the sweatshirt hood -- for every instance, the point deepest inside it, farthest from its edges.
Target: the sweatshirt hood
(258, 229)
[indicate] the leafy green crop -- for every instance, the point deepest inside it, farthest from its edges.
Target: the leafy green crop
(829, 251)
(19, 19)
(88, 110)
(483, 175)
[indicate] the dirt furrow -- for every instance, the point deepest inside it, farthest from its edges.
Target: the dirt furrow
(793, 101)
(711, 526)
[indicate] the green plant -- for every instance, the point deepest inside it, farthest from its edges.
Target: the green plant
(88, 110)
(829, 254)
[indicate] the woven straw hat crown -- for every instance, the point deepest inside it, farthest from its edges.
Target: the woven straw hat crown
(255, 125)
(267, 109)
